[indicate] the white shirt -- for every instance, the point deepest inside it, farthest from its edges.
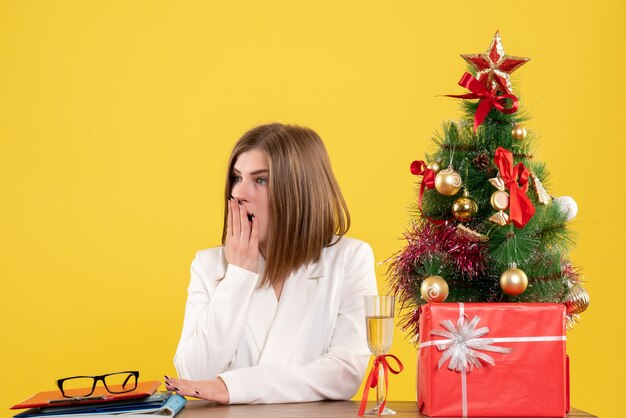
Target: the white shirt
(310, 345)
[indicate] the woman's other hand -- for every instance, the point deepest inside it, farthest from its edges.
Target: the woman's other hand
(212, 390)
(242, 237)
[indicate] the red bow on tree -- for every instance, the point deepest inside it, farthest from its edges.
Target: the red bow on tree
(488, 98)
(419, 168)
(521, 208)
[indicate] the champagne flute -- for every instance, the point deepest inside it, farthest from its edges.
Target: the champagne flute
(379, 312)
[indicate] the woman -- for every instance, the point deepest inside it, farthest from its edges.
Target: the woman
(276, 313)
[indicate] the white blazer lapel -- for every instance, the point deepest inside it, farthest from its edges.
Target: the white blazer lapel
(263, 306)
(300, 292)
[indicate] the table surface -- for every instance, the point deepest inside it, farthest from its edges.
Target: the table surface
(325, 409)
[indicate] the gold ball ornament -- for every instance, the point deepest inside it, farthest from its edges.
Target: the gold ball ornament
(577, 300)
(448, 182)
(513, 281)
(464, 208)
(519, 132)
(434, 166)
(434, 289)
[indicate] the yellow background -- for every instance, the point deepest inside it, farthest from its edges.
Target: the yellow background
(116, 119)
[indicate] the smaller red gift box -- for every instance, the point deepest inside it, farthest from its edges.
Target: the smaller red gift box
(492, 359)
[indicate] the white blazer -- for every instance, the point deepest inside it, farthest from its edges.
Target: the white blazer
(310, 345)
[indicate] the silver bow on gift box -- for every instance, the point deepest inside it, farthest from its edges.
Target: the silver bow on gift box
(462, 344)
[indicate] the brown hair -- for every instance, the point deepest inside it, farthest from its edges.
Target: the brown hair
(306, 205)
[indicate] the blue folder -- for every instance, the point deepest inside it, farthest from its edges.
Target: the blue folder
(160, 404)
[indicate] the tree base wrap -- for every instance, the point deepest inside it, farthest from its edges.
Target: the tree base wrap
(492, 359)
(372, 380)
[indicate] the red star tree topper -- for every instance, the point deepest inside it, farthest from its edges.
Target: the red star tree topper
(493, 67)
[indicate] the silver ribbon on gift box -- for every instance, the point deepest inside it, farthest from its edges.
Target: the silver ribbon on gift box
(463, 342)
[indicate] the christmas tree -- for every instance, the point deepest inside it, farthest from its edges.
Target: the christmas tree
(485, 229)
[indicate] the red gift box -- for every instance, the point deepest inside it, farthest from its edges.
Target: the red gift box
(492, 359)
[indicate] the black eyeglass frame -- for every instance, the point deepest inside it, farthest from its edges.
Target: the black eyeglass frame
(131, 373)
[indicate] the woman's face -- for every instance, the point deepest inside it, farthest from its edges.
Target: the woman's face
(250, 180)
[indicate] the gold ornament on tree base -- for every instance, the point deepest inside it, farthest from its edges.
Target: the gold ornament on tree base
(464, 208)
(519, 132)
(448, 182)
(577, 300)
(513, 281)
(434, 289)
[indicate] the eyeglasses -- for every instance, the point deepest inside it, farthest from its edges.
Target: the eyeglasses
(118, 382)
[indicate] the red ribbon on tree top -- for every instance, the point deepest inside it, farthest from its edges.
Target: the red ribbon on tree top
(521, 208)
(488, 98)
(372, 379)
